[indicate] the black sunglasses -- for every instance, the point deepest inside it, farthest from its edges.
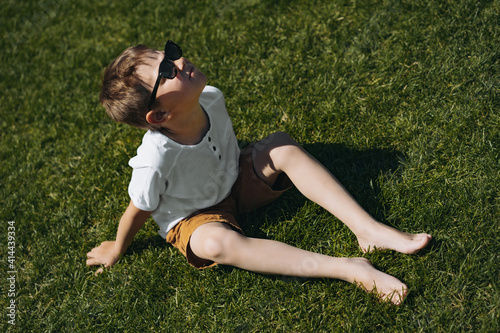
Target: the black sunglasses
(167, 67)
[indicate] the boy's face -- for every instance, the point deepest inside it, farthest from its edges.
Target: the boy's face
(180, 93)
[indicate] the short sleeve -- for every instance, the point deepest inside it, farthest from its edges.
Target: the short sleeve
(145, 188)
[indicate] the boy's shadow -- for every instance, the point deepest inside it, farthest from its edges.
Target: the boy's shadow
(356, 170)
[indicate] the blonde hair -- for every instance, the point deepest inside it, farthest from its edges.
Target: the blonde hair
(124, 94)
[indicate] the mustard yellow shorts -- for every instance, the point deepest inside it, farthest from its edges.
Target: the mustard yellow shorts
(248, 193)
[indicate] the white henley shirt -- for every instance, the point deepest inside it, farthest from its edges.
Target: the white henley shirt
(174, 180)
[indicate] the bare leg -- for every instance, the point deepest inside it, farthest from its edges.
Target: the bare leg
(216, 241)
(280, 153)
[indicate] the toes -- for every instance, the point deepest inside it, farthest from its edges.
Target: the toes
(397, 296)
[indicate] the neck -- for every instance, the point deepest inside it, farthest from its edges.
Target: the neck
(189, 130)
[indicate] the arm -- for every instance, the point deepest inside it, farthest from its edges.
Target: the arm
(109, 252)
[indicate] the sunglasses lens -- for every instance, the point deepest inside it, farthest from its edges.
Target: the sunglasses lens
(167, 69)
(172, 51)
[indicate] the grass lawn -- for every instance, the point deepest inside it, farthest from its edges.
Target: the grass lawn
(399, 99)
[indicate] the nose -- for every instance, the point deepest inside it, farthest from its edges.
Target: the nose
(180, 63)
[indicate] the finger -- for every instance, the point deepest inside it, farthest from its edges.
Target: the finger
(99, 271)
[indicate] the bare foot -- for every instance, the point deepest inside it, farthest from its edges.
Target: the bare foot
(387, 287)
(383, 237)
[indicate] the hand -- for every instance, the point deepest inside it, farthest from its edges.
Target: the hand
(105, 254)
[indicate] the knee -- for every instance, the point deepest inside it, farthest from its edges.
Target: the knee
(213, 248)
(284, 150)
(216, 246)
(279, 139)
(274, 140)
(277, 145)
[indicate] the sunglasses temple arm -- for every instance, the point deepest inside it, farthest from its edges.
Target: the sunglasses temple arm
(153, 93)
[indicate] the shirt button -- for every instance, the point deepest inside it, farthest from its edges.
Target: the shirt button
(209, 139)
(215, 148)
(220, 157)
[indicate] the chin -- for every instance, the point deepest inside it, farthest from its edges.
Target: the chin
(202, 77)
(203, 80)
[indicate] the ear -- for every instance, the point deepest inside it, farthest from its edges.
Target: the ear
(157, 117)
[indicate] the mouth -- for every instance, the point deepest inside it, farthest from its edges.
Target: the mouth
(191, 70)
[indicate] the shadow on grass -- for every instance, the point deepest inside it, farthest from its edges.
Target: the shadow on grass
(141, 244)
(356, 170)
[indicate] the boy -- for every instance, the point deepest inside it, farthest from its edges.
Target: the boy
(190, 175)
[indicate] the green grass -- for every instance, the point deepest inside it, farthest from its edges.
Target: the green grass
(399, 99)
